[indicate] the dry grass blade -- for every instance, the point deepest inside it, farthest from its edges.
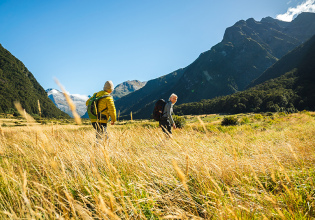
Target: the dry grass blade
(83, 213)
(106, 210)
(39, 109)
(76, 116)
(180, 174)
(202, 124)
(1, 131)
(22, 111)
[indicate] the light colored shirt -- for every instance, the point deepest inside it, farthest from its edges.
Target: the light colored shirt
(168, 110)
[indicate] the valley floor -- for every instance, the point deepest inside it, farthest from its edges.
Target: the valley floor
(262, 168)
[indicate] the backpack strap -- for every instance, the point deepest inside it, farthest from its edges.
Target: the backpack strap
(99, 113)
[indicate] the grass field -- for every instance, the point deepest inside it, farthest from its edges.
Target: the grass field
(262, 168)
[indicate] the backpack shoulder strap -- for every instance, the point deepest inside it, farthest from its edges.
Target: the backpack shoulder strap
(104, 96)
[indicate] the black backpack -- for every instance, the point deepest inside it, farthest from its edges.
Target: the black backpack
(158, 109)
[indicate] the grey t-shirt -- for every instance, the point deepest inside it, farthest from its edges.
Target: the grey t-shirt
(168, 110)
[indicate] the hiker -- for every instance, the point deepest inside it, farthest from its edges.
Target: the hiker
(166, 122)
(105, 108)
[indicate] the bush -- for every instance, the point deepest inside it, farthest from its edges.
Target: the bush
(305, 112)
(16, 114)
(180, 121)
(282, 114)
(230, 120)
(268, 114)
(245, 120)
(258, 116)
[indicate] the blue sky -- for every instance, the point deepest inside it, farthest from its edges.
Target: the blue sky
(84, 43)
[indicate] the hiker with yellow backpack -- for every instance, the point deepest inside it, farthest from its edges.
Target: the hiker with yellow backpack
(100, 108)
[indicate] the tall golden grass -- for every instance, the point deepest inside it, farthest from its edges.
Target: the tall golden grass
(261, 170)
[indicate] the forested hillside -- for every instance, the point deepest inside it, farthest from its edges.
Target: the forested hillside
(288, 89)
(19, 84)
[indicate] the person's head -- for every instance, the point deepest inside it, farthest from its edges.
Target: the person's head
(173, 98)
(108, 87)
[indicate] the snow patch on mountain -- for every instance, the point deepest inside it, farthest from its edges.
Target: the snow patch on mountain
(60, 101)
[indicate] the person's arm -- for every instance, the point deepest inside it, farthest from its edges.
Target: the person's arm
(111, 109)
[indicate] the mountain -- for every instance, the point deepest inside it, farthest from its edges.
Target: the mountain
(60, 101)
(19, 84)
(127, 87)
(289, 85)
(248, 48)
(79, 100)
(145, 97)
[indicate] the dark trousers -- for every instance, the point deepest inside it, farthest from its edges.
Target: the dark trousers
(101, 129)
(166, 126)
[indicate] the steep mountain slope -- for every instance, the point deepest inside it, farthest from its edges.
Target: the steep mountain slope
(145, 97)
(286, 64)
(127, 87)
(18, 84)
(246, 51)
(60, 101)
(290, 86)
(248, 48)
(303, 27)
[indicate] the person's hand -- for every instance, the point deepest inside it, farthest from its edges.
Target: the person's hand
(112, 123)
(174, 126)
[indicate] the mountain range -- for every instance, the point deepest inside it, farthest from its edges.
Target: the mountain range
(248, 49)
(80, 100)
(251, 54)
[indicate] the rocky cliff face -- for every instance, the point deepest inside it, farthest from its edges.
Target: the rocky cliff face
(127, 87)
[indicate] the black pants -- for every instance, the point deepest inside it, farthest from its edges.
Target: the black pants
(166, 126)
(101, 129)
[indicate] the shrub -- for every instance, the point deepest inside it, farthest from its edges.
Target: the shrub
(282, 114)
(180, 121)
(230, 120)
(245, 120)
(16, 114)
(268, 114)
(305, 112)
(258, 116)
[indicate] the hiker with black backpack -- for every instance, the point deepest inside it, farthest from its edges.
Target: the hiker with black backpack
(163, 113)
(100, 108)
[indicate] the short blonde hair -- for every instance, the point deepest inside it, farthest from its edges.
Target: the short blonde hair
(172, 96)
